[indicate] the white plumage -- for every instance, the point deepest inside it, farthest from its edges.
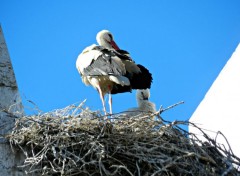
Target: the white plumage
(86, 57)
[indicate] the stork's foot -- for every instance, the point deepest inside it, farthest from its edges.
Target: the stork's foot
(107, 117)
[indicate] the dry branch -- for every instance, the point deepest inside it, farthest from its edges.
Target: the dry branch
(77, 141)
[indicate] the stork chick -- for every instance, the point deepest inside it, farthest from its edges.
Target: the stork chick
(144, 105)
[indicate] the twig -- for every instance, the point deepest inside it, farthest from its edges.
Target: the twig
(170, 107)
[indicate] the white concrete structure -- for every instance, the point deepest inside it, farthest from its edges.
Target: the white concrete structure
(10, 108)
(220, 108)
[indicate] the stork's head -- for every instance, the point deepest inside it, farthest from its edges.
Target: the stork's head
(143, 94)
(105, 39)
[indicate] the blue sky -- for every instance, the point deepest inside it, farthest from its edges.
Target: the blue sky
(184, 44)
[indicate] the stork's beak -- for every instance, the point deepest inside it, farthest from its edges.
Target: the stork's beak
(114, 45)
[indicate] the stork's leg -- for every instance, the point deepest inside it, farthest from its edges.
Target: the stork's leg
(102, 98)
(110, 99)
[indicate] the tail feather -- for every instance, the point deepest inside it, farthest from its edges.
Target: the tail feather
(142, 80)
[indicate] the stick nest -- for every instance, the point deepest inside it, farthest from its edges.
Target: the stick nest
(77, 141)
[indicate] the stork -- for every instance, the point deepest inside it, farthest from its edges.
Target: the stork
(144, 105)
(111, 70)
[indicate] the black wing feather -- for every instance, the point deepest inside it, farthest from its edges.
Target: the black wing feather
(142, 80)
(122, 54)
(120, 89)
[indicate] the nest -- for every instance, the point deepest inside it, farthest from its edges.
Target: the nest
(78, 141)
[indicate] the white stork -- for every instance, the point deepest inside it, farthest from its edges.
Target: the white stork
(110, 70)
(144, 105)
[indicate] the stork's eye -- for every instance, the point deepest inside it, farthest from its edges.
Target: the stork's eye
(111, 37)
